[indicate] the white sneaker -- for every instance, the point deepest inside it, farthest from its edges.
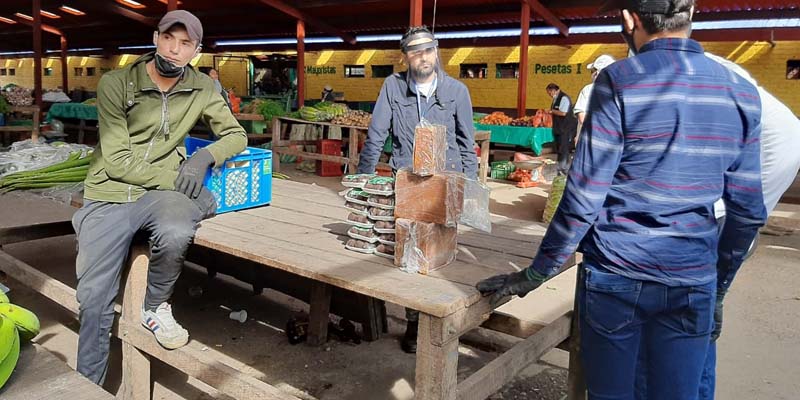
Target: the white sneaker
(169, 333)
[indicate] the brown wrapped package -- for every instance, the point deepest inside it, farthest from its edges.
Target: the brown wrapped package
(430, 149)
(438, 198)
(424, 247)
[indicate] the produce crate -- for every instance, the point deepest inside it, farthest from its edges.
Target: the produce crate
(244, 181)
(253, 126)
(501, 169)
(331, 147)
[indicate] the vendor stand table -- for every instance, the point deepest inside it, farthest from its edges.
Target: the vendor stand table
(33, 129)
(533, 138)
(280, 127)
(79, 111)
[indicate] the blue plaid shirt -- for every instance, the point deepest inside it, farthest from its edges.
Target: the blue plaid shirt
(668, 133)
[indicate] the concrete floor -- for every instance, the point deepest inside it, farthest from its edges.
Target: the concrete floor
(758, 350)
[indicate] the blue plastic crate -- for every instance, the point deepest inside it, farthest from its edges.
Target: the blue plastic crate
(244, 181)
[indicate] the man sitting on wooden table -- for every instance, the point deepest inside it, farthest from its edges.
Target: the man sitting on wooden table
(424, 91)
(140, 179)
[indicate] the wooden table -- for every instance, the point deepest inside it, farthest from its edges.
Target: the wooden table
(302, 233)
(33, 129)
(281, 146)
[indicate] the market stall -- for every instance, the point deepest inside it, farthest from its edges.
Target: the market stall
(530, 131)
(85, 113)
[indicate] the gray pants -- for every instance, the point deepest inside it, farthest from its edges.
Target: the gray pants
(105, 231)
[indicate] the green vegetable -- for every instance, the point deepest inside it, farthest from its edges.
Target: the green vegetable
(72, 170)
(270, 109)
(556, 191)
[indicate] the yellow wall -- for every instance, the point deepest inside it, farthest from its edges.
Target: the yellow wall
(765, 62)
(232, 73)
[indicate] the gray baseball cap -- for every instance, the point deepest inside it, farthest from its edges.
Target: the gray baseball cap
(193, 25)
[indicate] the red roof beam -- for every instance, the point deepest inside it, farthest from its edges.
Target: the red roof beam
(45, 27)
(548, 16)
(293, 12)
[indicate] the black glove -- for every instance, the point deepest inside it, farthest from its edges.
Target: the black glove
(518, 283)
(206, 203)
(192, 173)
(717, 316)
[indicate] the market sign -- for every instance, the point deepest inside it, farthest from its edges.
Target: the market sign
(320, 70)
(559, 69)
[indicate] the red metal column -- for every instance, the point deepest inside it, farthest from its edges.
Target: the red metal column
(64, 72)
(522, 81)
(37, 52)
(415, 18)
(172, 5)
(301, 63)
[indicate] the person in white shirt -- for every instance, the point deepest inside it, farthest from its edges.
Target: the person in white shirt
(780, 162)
(582, 104)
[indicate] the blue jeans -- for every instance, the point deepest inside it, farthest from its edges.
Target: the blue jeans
(621, 317)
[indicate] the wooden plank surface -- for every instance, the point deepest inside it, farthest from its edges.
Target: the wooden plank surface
(135, 363)
(41, 375)
(303, 230)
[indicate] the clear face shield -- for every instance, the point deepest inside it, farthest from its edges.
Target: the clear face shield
(422, 52)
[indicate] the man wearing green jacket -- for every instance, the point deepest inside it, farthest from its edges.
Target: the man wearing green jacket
(140, 179)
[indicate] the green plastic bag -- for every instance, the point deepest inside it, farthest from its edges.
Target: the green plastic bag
(556, 192)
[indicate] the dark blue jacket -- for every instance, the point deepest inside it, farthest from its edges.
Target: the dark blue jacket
(396, 112)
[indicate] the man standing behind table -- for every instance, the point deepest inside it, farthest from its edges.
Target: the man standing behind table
(668, 133)
(423, 91)
(564, 125)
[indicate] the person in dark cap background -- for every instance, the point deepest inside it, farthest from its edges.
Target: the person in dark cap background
(140, 180)
(327, 93)
(423, 91)
(564, 124)
(668, 132)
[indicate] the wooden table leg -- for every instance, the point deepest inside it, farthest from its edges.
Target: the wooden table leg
(576, 380)
(436, 365)
(135, 363)
(484, 163)
(320, 310)
(352, 152)
(81, 132)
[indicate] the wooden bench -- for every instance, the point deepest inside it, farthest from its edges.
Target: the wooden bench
(41, 375)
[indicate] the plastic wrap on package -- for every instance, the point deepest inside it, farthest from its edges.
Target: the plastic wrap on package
(430, 148)
(423, 247)
(26, 155)
(475, 212)
(438, 198)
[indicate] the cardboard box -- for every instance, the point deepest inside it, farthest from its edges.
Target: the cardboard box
(424, 246)
(438, 198)
(430, 150)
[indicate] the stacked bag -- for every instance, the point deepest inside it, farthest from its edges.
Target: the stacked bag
(371, 203)
(430, 202)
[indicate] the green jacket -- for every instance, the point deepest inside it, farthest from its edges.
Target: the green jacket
(142, 131)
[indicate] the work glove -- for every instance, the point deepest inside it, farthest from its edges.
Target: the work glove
(192, 173)
(206, 203)
(717, 316)
(517, 283)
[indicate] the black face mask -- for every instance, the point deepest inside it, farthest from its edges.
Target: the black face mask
(166, 68)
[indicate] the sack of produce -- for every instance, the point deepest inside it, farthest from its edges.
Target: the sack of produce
(382, 185)
(357, 180)
(380, 214)
(361, 221)
(357, 208)
(384, 227)
(360, 246)
(364, 234)
(385, 251)
(556, 192)
(376, 200)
